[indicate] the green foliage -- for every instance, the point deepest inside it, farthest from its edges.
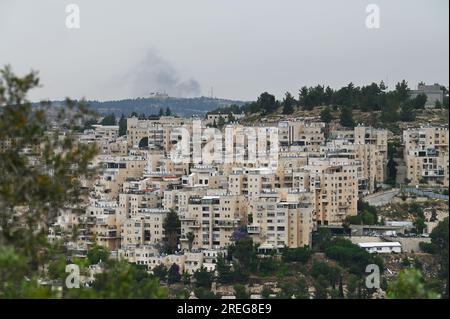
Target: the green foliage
(393, 151)
(367, 215)
(325, 115)
(440, 247)
(351, 256)
(172, 228)
(160, 272)
(266, 292)
(267, 103)
(329, 272)
(57, 268)
(109, 120)
(220, 122)
(321, 288)
(121, 280)
(14, 267)
(288, 104)
(203, 278)
(321, 238)
(410, 285)
(224, 273)
(419, 101)
(36, 184)
(97, 254)
(267, 266)
(241, 292)
(173, 275)
(190, 237)
(419, 224)
(122, 126)
(346, 117)
(245, 252)
(301, 254)
(427, 247)
(202, 293)
(297, 289)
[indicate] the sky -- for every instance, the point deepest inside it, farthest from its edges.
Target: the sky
(235, 48)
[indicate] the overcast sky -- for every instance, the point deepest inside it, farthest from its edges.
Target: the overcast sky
(240, 47)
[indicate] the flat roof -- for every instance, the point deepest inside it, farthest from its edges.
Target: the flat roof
(380, 244)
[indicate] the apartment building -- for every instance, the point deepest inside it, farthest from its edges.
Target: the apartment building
(99, 224)
(154, 134)
(335, 184)
(116, 169)
(134, 197)
(426, 154)
(252, 182)
(212, 220)
(282, 220)
(145, 228)
(300, 133)
(178, 199)
(214, 118)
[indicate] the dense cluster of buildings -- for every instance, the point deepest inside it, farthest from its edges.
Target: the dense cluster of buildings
(318, 176)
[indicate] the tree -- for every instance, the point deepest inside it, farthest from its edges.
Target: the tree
(172, 228)
(202, 293)
(109, 120)
(122, 126)
(168, 111)
(267, 103)
(410, 285)
(203, 278)
(352, 287)
(346, 117)
(224, 273)
(288, 104)
(419, 101)
(39, 183)
(122, 280)
(301, 254)
(173, 275)
(160, 272)
(220, 122)
(88, 124)
(321, 238)
(97, 254)
(401, 92)
(190, 237)
(325, 115)
(393, 150)
(244, 251)
(407, 113)
(419, 224)
(439, 240)
(239, 233)
(240, 292)
(266, 292)
(321, 287)
(186, 278)
(161, 112)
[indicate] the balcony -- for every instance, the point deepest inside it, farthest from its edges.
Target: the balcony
(253, 229)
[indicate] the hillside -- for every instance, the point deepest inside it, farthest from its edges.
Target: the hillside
(180, 106)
